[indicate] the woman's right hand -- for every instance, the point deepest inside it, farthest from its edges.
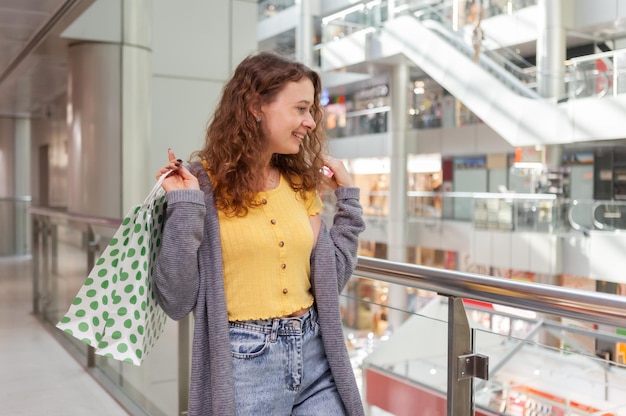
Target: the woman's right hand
(180, 178)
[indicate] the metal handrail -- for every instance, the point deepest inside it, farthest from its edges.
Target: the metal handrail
(600, 308)
(15, 199)
(576, 304)
(73, 217)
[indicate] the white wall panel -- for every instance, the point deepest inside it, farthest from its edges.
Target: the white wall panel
(457, 236)
(424, 234)
(588, 13)
(497, 178)
(501, 250)
(181, 109)
(425, 141)
(441, 235)
(488, 141)
(576, 252)
(544, 251)
(192, 40)
(482, 247)
(460, 141)
(244, 15)
(520, 250)
(607, 258)
(374, 145)
(375, 229)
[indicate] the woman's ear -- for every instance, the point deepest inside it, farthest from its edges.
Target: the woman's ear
(255, 110)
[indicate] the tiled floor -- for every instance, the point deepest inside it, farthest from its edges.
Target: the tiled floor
(37, 375)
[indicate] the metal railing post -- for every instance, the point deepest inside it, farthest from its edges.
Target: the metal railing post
(460, 400)
(463, 364)
(36, 263)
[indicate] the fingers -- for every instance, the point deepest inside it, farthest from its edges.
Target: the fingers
(340, 176)
(170, 154)
(174, 164)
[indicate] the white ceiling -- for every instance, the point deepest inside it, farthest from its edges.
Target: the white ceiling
(32, 55)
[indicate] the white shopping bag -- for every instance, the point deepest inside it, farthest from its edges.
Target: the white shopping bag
(115, 310)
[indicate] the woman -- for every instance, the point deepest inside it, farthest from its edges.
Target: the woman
(245, 249)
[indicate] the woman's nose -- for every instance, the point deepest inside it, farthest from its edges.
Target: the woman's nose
(309, 122)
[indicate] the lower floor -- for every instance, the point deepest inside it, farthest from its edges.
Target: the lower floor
(39, 376)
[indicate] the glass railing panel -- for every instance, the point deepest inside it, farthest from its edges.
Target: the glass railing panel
(340, 123)
(597, 75)
(65, 249)
(609, 215)
(425, 204)
(270, 8)
(15, 226)
(500, 7)
(63, 271)
(543, 213)
(68, 271)
(395, 325)
(619, 72)
(544, 366)
(537, 215)
(359, 16)
(153, 385)
(428, 205)
(454, 24)
(384, 325)
(579, 215)
(598, 215)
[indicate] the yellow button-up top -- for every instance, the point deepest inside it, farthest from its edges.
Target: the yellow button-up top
(266, 255)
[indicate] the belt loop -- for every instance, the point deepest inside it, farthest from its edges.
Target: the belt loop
(312, 316)
(274, 333)
(308, 319)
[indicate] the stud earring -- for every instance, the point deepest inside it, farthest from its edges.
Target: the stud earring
(258, 119)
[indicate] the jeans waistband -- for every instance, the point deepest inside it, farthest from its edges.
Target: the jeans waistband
(278, 326)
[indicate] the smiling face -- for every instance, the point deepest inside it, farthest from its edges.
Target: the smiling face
(287, 119)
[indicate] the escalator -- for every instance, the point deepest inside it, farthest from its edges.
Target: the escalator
(503, 101)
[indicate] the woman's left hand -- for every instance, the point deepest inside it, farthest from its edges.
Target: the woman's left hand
(341, 176)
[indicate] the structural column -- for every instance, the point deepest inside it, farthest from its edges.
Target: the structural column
(109, 116)
(304, 34)
(397, 225)
(550, 48)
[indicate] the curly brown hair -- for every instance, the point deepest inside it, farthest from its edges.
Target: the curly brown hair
(234, 139)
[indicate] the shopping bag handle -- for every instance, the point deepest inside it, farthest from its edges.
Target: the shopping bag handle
(157, 188)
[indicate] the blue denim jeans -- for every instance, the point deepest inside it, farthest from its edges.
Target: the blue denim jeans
(280, 368)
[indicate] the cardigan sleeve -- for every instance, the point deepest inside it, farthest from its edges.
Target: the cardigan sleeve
(176, 278)
(344, 233)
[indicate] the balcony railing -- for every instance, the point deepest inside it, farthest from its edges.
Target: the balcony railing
(464, 340)
(596, 75)
(15, 225)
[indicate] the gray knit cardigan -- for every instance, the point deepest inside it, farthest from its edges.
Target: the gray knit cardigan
(189, 278)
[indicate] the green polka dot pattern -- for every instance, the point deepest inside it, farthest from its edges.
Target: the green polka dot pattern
(115, 311)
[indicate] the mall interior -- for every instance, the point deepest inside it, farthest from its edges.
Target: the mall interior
(488, 138)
